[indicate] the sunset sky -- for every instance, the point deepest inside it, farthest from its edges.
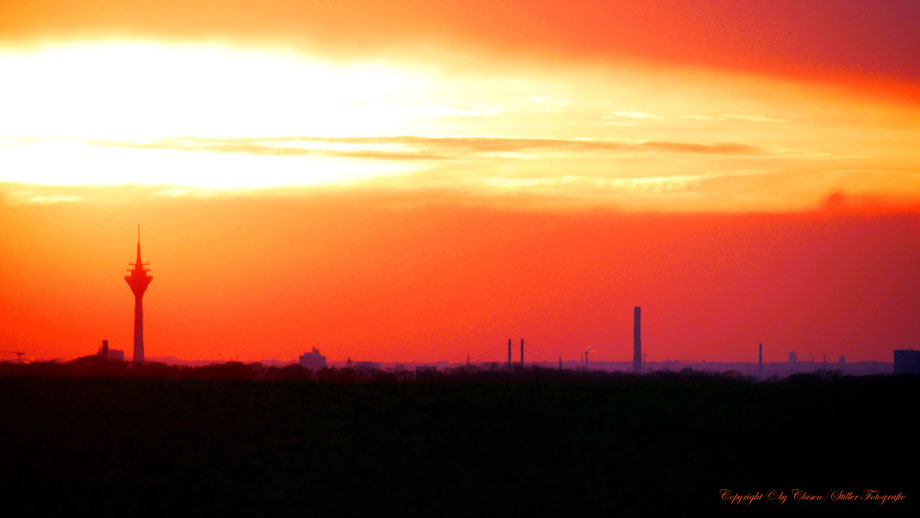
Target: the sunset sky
(418, 180)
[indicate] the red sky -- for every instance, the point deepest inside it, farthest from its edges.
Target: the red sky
(413, 181)
(382, 278)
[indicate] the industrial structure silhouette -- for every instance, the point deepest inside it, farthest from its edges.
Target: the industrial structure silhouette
(637, 340)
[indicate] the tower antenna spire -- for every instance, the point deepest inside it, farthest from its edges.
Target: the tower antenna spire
(139, 245)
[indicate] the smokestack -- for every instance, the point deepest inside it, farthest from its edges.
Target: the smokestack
(105, 348)
(637, 340)
(759, 361)
(522, 352)
(509, 354)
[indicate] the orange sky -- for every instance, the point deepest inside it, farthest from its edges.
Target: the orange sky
(419, 180)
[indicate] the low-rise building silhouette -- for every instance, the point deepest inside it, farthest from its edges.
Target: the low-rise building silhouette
(313, 360)
(111, 354)
(907, 361)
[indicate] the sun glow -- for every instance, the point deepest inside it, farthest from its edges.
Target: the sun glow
(59, 162)
(145, 90)
(215, 116)
(64, 101)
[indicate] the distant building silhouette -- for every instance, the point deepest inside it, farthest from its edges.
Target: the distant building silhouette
(907, 361)
(138, 280)
(843, 360)
(313, 360)
(367, 366)
(793, 357)
(759, 361)
(111, 354)
(19, 355)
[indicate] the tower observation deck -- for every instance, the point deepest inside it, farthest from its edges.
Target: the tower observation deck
(138, 280)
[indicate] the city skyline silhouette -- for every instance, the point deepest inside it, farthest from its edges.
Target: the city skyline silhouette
(746, 173)
(720, 286)
(419, 258)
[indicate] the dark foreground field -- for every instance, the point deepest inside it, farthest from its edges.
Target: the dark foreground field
(132, 446)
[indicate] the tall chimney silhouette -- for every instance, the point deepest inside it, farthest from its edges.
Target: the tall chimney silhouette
(509, 354)
(138, 280)
(759, 361)
(522, 351)
(637, 339)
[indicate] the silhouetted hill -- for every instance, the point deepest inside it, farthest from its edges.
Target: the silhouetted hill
(94, 366)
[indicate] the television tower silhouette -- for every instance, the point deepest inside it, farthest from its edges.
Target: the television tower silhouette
(138, 280)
